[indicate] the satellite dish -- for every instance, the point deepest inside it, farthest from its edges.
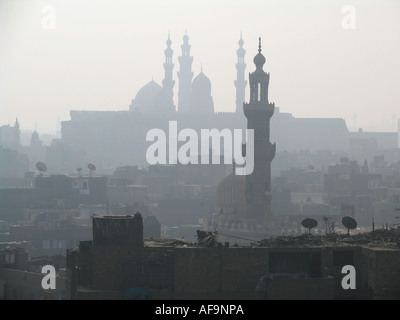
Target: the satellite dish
(91, 167)
(349, 223)
(41, 167)
(309, 224)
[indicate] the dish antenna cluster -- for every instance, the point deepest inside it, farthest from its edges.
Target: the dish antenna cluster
(309, 224)
(41, 167)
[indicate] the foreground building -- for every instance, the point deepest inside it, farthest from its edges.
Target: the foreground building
(120, 264)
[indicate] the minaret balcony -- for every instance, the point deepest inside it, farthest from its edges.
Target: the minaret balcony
(258, 109)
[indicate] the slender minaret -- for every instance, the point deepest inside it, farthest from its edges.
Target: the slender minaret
(240, 82)
(168, 83)
(258, 113)
(17, 134)
(185, 76)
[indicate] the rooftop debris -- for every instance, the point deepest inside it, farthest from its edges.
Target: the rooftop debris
(389, 238)
(168, 242)
(207, 239)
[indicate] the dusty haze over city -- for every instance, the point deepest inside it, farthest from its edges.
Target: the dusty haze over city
(102, 52)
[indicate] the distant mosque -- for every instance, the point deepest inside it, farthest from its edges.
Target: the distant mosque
(113, 138)
(194, 96)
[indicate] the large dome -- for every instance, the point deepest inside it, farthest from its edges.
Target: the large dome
(145, 98)
(152, 98)
(231, 195)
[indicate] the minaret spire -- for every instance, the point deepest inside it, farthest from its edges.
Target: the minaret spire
(258, 113)
(168, 82)
(240, 82)
(185, 75)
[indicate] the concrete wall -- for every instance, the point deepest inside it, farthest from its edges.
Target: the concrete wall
(301, 289)
(233, 273)
(382, 272)
(24, 285)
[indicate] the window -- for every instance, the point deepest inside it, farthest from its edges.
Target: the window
(9, 258)
(61, 244)
(55, 244)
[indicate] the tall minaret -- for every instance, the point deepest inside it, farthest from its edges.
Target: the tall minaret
(258, 113)
(185, 76)
(168, 83)
(240, 82)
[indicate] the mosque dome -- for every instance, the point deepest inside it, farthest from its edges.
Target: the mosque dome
(35, 136)
(201, 99)
(259, 59)
(145, 98)
(201, 84)
(231, 195)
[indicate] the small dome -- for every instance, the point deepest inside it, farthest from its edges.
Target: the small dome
(35, 139)
(202, 83)
(35, 136)
(231, 195)
(259, 60)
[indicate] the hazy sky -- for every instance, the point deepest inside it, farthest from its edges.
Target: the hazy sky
(102, 52)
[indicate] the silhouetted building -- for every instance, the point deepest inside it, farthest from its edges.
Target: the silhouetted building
(258, 113)
(10, 136)
(118, 230)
